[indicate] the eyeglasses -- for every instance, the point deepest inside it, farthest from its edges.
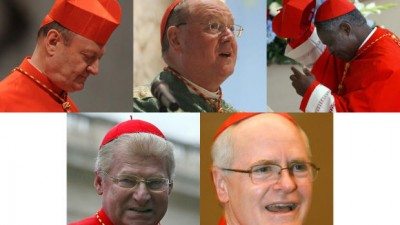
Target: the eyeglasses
(218, 28)
(264, 172)
(155, 184)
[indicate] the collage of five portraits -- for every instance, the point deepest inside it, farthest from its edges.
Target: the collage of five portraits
(199, 112)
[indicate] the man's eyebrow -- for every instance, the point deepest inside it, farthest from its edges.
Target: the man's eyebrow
(126, 174)
(268, 162)
(263, 162)
(94, 52)
(297, 161)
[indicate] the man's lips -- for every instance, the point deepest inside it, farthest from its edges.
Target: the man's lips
(140, 210)
(281, 207)
(225, 54)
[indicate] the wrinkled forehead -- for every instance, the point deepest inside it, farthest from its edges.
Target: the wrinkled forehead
(209, 10)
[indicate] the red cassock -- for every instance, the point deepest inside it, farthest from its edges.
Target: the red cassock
(20, 93)
(372, 82)
(100, 218)
(222, 221)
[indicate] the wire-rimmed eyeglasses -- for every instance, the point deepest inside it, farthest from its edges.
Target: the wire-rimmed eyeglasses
(155, 184)
(263, 172)
(217, 28)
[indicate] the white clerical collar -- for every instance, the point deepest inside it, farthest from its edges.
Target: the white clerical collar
(368, 37)
(208, 94)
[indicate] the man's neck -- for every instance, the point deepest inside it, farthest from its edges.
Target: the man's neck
(368, 37)
(35, 62)
(205, 92)
(194, 79)
(364, 33)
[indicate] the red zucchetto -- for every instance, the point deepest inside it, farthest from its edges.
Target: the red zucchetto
(129, 127)
(332, 9)
(237, 117)
(165, 18)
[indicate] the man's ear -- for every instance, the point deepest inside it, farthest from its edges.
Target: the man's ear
(98, 183)
(173, 38)
(52, 39)
(219, 180)
(345, 27)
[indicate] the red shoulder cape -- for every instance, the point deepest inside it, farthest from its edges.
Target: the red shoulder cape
(19, 93)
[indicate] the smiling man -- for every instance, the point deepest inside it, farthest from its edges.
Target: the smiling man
(198, 39)
(262, 170)
(134, 175)
(355, 67)
(70, 43)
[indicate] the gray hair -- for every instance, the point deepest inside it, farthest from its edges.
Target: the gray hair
(65, 33)
(137, 144)
(222, 148)
(178, 15)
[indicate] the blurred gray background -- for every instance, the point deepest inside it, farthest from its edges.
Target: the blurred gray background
(85, 132)
(281, 96)
(109, 91)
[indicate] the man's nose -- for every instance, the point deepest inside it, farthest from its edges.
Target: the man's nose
(286, 182)
(141, 194)
(94, 67)
(227, 37)
(227, 33)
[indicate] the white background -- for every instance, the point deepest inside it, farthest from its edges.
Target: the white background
(366, 168)
(33, 168)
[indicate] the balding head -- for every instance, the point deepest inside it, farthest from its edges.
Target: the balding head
(273, 127)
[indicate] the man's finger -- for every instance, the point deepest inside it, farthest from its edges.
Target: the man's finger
(296, 72)
(307, 72)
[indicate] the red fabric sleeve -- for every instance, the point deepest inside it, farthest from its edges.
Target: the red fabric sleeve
(307, 95)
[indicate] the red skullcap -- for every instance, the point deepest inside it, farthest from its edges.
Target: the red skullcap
(165, 18)
(294, 18)
(332, 9)
(129, 127)
(93, 19)
(237, 117)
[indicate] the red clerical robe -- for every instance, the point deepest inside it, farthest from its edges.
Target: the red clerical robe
(372, 81)
(20, 93)
(222, 221)
(100, 218)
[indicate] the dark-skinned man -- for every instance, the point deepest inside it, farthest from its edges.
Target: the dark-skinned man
(354, 67)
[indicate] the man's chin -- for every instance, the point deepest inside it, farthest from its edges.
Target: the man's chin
(226, 72)
(75, 88)
(227, 69)
(136, 221)
(286, 219)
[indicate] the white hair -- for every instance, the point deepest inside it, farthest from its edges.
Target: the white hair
(137, 144)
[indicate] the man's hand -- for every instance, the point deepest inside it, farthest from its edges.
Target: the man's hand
(301, 82)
